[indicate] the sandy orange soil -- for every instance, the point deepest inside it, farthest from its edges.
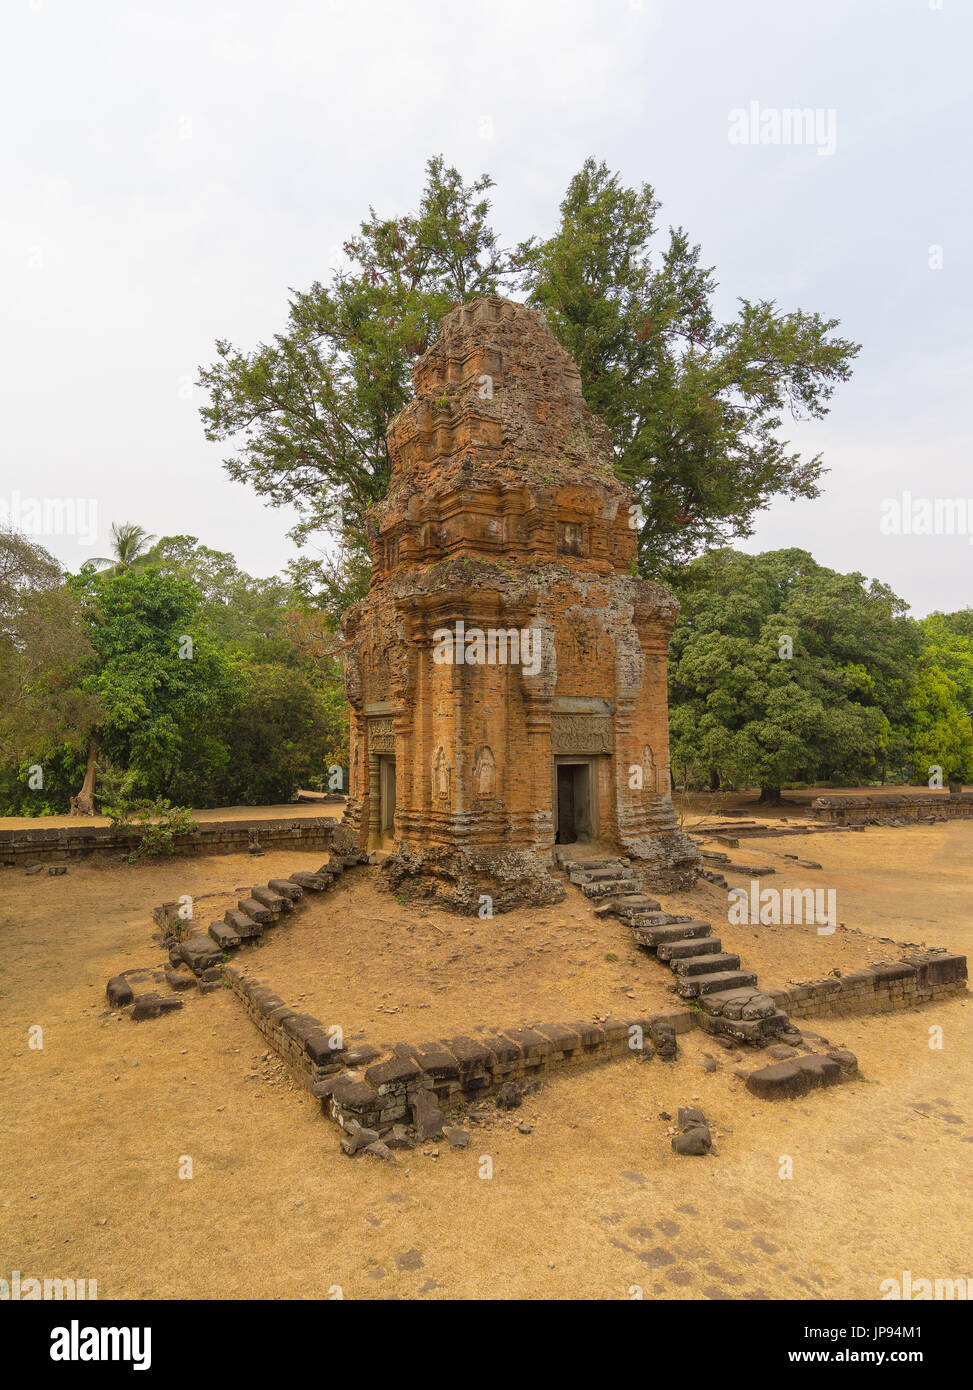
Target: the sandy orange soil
(591, 1203)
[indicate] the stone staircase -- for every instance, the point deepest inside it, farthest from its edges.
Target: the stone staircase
(726, 996)
(196, 958)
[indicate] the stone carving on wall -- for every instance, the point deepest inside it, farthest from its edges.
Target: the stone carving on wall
(484, 772)
(440, 773)
(381, 734)
(581, 733)
(648, 770)
(353, 683)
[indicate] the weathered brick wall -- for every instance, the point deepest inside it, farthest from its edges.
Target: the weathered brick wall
(378, 1095)
(880, 810)
(211, 837)
(301, 1042)
(504, 514)
(881, 988)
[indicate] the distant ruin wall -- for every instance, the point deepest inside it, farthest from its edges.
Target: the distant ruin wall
(22, 846)
(916, 979)
(895, 807)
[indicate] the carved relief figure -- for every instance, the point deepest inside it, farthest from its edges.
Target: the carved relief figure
(648, 770)
(440, 773)
(484, 772)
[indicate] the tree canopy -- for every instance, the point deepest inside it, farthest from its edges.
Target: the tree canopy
(178, 676)
(782, 670)
(43, 646)
(696, 406)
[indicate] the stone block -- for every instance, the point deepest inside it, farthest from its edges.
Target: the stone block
(153, 1005)
(244, 926)
(780, 1081)
(427, 1117)
(225, 937)
(120, 992)
(397, 1071)
(199, 953)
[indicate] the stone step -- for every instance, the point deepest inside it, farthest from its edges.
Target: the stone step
(256, 911)
(244, 926)
(636, 902)
(691, 946)
(225, 936)
(315, 882)
(680, 931)
(199, 953)
(695, 985)
(623, 877)
(748, 1030)
(568, 863)
(652, 919)
(276, 902)
(739, 1003)
(286, 889)
(721, 961)
(608, 889)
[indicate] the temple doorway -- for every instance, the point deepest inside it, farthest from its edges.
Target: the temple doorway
(574, 810)
(386, 796)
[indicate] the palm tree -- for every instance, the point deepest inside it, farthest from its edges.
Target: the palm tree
(129, 544)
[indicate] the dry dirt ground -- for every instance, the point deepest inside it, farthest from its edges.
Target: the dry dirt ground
(591, 1203)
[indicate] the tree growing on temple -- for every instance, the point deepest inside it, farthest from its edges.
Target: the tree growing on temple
(696, 405)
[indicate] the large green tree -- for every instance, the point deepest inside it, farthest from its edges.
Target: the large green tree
(308, 412)
(782, 670)
(696, 405)
(43, 646)
(247, 617)
(162, 685)
(942, 701)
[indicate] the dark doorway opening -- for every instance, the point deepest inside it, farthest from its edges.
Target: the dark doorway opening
(573, 803)
(387, 796)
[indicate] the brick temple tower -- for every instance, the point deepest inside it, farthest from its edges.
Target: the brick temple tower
(507, 671)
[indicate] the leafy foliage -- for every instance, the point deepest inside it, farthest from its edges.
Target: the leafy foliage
(744, 714)
(309, 410)
(941, 705)
(130, 544)
(158, 824)
(43, 645)
(695, 406)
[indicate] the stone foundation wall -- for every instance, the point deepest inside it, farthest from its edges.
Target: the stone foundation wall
(881, 988)
(359, 1084)
(302, 1043)
(885, 810)
(211, 837)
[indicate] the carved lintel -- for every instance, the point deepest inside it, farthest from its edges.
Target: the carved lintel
(581, 733)
(381, 734)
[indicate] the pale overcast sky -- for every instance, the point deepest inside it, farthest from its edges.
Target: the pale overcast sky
(169, 169)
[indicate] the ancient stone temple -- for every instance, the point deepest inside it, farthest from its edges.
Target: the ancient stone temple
(507, 671)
